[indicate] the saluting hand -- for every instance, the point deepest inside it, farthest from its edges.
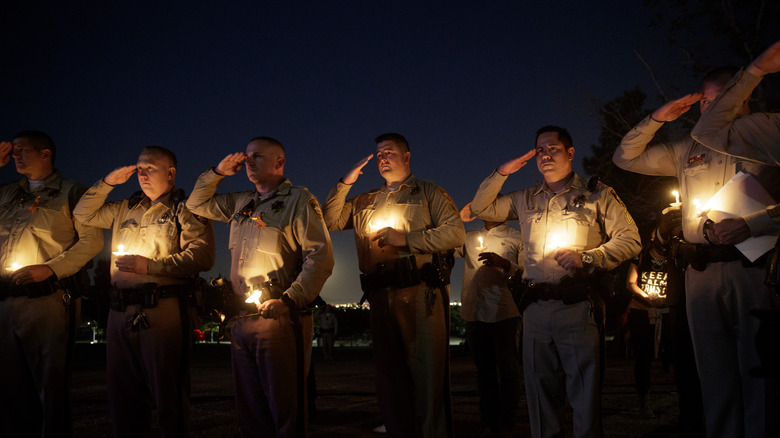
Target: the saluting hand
(465, 213)
(231, 164)
(5, 152)
(514, 165)
(673, 109)
(356, 170)
(133, 263)
(120, 175)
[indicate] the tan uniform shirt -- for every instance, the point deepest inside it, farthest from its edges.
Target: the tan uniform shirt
(278, 237)
(754, 137)
(486, 296)
(177, 243)
(37, 228)
(573, 219)
(701, 173)
(421, 209)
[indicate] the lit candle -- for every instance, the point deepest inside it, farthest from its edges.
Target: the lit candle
(120, 251)
(388, 222)
(254, 297)
(14, 266)
(676, 198)
(481, 246)
(555, 241)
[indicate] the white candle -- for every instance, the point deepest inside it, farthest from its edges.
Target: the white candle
(14, 266)
(120, 251)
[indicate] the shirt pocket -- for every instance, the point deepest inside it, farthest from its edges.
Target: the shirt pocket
(696, 168)
(579, 226)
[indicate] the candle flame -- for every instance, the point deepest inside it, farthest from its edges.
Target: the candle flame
(481, 244)
(120, 250)
(14, 266)
(254, 297)
(676, 196)
(376, 225)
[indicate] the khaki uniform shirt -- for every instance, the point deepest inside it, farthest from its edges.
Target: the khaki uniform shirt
(277, 237)
(754, 137)
(178, 244)
(701, 172)
(486, 296)
(37, 228)
(573, 219)
(421, 209)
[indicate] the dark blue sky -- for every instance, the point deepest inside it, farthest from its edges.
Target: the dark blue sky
(467, 84)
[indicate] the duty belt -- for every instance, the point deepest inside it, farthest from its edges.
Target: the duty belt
(30, 290)
(395, 274)
(699, 255)
(148, 295)
(570, 292)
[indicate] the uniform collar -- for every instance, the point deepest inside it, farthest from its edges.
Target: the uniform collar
(575, 182)
(283, 189)
(411, 181)
(53, 181)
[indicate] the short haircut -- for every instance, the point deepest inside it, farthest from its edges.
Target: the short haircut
(271, 140)
(721, 75)
(40, 141)
(159, 150)
(563, 135)
(397, 138)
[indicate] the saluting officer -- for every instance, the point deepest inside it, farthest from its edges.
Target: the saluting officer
(38, 305)
(153, 279)
(570, 231)
(279, 245)
(402, 231)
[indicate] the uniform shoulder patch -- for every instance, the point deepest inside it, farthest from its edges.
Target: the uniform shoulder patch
(316, 207)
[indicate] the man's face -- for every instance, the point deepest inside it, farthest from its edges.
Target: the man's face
(709, 91)
(156, 176)
(391, 162)
(552, 157)
(29, 161)
(264, 161)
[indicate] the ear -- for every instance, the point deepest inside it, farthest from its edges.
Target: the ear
(570, 153)
(171, 173)
(46, 154)
(407, 157)
(280, 163)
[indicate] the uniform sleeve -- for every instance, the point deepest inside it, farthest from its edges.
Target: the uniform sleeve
(754, 137)
(338, 210)
(447, 231)
(205, 202)
(489, 205)
(623, 241)
(92, 208)
(312, 235)
(197, 254)
(634, 154)
(90, 243)
(518, 264)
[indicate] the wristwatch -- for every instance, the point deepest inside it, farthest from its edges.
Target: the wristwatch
(587, 258)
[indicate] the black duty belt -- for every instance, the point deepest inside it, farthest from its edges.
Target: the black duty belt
(395, 274)
(148, 295)
(699, 255)
(568, 292)
(30, 290)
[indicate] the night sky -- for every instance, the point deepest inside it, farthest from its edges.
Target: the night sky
(467, 84)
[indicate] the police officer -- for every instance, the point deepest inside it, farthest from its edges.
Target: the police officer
(401, 229)
(491, 255)
(571, 231)
(153, 278)
(721, 285)
(41, 250)
(279, 246)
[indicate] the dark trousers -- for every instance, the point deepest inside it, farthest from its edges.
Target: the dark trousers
(494, 347)
(691, 421)
(643, 344)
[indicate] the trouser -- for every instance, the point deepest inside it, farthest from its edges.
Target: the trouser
(149, 367)
(411, 344)
(686, 377)
(494, 348)
(561, 357)
(643, 340)
(265, 367)
(36, 343)
(719, 301)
